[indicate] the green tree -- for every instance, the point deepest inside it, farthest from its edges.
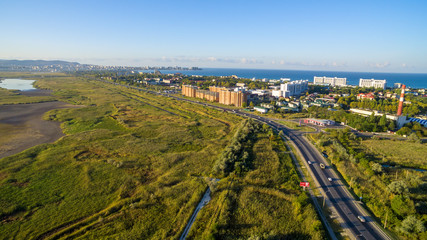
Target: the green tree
(392, 126)
(412, 225)
(398, 187)
(383, 120)
(404, 131)
(414, 137)
(251, 104)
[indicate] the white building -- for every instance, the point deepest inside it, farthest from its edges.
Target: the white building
(293, 88)
(260, 92)
(331, 81)
(372, 83)
(276, 93)
(261, 109)
(397, 85)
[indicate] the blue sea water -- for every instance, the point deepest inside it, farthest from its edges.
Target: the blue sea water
(413, 80)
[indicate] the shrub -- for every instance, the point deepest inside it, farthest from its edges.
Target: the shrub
(412, 225)
(398, 187)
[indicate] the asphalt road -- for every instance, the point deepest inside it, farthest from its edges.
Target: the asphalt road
(346, 206)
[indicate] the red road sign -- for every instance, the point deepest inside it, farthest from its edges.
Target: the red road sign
(304, 184)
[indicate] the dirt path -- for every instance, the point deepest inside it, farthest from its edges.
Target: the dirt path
(22, 126)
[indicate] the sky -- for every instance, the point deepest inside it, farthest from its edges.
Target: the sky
(368, 36)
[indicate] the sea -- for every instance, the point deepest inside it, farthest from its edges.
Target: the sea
(412, 80)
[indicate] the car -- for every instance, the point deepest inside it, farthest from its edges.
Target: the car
(309, 162)
(361, 218)
(329, 179)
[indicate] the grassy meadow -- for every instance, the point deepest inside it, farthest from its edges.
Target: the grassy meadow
(407, 153)
(131, 166)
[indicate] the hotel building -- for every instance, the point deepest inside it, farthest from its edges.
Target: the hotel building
(372, 83)
(331, 81)
(294, 88)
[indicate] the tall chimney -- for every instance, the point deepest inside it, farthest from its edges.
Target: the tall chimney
(402, 95)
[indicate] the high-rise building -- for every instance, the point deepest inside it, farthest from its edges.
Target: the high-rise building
(229, 97)
(189, 91)
(372, 83)
(216, 94)
(290, 89)
(333, 81)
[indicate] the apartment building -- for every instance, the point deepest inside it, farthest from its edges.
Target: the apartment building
(189, 91)
(216, 94)
(332, 81)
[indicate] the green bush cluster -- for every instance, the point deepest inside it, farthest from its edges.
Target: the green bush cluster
(234, 156)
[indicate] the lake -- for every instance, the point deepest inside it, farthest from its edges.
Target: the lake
(17, 84)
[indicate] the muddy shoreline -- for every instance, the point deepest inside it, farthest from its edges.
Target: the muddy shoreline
(22, 126)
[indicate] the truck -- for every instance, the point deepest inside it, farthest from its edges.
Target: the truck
(322, 166)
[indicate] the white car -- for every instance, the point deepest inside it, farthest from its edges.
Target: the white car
(309, 162)
(329, 179)
(361, 218)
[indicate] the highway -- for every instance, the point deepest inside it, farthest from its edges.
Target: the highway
(346, 207)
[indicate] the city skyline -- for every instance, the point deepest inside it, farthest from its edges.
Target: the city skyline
(332, 36)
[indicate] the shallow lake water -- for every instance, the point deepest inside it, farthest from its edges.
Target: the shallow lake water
(17, 84)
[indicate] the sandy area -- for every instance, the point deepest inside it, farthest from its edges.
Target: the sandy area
(22, 126)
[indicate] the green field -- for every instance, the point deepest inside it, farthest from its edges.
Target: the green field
(407, 153)
(131, 166)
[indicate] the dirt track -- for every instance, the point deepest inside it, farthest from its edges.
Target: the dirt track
(22, 126)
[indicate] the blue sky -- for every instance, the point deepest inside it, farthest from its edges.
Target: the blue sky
(374, 36)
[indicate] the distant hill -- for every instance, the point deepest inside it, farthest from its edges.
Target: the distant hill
(35, 62)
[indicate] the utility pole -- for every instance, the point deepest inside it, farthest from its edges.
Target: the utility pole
(385, 222)
(324, 197)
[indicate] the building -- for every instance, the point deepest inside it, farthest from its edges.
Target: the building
(267, 105)
(207, 95)
(331, 81)
(319, 122)
(216, 89)
(369, 96)
(228, 97)
(192, 91)
(400, 120)
(372, 83)
(261, 109)
(189, 91)
(294, 88)
(277, 93)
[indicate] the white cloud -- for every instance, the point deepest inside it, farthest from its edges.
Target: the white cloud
(380, 65)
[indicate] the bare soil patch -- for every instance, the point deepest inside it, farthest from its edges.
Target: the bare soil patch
(22, 126)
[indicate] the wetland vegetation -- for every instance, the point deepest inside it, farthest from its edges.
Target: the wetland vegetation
(132, 165)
